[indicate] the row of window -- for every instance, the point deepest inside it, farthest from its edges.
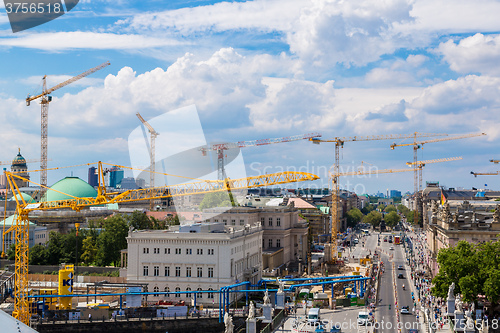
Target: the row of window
(156, 250)
(270, 242)
(262, 220)
(188, 295)
(199, 271)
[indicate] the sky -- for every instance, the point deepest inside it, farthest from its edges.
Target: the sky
(263, 69)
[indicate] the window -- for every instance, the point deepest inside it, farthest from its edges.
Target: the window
(145, 270)
(177, 251)
(156, 250)
(177, 271)
(278, 243)
(156, 290)
(263, 244)
(167, 250)
(167, 290)
(225, 222)
(278, 221)
(145, 250)
(199, 271)
(270, 242)
(210, 252)
(262, 220)
(188, 271)
(233, 222)
(199, 251)
(216, 220)
(210, 295)
(270, 221)
(189, 251)
(242, 222)
(156, 270)
(188, 294)
(177, 289)
(167, 271)
(210, 272)
(199, 295)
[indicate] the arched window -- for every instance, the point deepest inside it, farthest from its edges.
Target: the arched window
(155, 290)
(188, 295)
(210, 295)
(199, 295)
(167, 290)
(177, 289)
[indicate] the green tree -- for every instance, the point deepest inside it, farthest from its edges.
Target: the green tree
(216, 199)
(38, 255)
(11, 252)
(381, 207)
(373, 218)
(368, 208)
(89, 250)
(354, 216)
(111, 240)
(139, 221)
(392, 218)
(389, 208)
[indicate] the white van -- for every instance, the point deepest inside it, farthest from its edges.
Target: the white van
(313, 315)
(363, 318)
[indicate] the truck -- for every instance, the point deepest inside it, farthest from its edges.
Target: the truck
(397, 240)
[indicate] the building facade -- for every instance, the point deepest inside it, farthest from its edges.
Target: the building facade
(284, 238)
(202, 256)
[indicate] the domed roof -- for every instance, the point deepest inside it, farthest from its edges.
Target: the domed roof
(11, 220)
(19, 160)
(25, 196)
(71, 185)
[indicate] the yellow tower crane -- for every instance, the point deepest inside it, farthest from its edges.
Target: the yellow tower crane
(417, 184)
(45, 100)
(495, 161)
(421, 164)
(153, 134)
(339, 143)
(21, 308)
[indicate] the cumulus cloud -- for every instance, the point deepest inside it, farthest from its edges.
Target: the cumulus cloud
(476, 54)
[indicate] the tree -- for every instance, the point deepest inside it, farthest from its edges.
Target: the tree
(38, 255)
(381, 207)
(89, 250)
(390, 208)
(112, 240)
(373, 218)
(353, 217)
(392, 218)
(139, 221)
(368, 208)
(216, 199)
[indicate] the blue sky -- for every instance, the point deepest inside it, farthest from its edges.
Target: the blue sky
(264, 69)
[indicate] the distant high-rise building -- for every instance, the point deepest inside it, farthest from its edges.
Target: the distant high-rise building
(115, 177)
(129, 183)
(140, 182)
(93, 177)
(395, 194)
(3, 179)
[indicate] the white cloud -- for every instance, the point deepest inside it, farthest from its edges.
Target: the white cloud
(476, 54)
(58, 41)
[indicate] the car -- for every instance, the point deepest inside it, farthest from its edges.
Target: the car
(401, 276)
(390, 240)
(391, 248)
(400, 267)
(364, 318)
(413, 330)
(405, 310)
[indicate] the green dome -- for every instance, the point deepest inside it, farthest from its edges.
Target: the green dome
(25, 196)
(11, 220)
(71, 185)
(19, 160)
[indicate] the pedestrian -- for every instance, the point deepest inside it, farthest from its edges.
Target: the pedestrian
(90, 316)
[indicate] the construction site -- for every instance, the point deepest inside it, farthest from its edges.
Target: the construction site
(51, 302)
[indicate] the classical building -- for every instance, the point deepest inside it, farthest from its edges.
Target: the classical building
(21, 169)
(458, 220)
(201, 256)
(284, 239)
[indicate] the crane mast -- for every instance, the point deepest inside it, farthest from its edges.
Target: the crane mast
(152, 169)
(45, 99)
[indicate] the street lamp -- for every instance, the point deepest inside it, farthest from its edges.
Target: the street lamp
(77, 226)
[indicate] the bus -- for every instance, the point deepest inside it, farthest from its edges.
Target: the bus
(397, 240)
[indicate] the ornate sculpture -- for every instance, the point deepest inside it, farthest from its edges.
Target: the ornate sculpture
(469, 321)
(446, 214)
(251, 311)
(281, 288)
(434, 208)
(496, 214)
(459, 303)
(455, 217)
(228, 321)
(267, 300)
(451, 291)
